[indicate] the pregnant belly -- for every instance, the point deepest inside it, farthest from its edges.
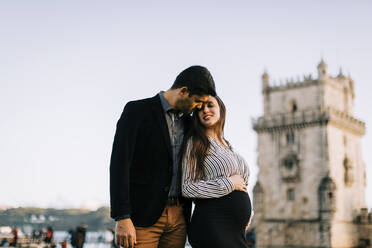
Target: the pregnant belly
(234, 207)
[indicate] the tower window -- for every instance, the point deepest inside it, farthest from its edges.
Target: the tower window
(290, 194)
(290, 138)
(327, 196)
(289, 168)
(348, 172)
(330, 195)
(294, 107)
(289, 164)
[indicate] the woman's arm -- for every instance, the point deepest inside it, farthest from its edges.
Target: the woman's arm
(245, 167)
(213, 188)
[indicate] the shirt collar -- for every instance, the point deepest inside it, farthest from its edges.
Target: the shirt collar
(165, 104)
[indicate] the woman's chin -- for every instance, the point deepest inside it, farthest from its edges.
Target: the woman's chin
(208, 125)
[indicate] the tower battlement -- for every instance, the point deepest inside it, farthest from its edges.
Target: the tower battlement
(289, 83)
(338, 81)
(324, 91)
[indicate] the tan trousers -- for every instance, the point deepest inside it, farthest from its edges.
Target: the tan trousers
(168, 232)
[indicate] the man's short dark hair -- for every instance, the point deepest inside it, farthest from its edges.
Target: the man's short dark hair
(197, 79)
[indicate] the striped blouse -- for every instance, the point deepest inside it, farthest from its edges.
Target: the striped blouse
(220, 164)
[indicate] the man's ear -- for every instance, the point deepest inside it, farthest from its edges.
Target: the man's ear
(184, 91)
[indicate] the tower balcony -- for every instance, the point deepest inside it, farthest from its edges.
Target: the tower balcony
(310, 117)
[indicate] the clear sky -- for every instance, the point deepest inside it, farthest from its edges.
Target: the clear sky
(68, 67)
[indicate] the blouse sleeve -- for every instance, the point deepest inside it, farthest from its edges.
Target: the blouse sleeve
(212, 188)
(245, 169)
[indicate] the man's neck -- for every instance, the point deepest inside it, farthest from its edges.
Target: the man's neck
(171, 97)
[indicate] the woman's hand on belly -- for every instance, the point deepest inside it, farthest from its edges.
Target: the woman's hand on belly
(239, 183)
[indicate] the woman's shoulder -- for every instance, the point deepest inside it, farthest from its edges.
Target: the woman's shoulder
(240, 157)
(217, 144)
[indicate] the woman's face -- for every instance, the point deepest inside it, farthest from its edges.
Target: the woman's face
(209, 114)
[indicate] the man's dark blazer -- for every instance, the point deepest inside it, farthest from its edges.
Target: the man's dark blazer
(141, 163)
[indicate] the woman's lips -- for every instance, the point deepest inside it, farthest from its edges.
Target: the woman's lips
(207, 117)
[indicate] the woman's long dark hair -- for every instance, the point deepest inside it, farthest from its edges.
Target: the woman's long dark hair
(200, 141)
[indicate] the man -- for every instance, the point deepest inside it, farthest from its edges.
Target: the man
(145, 167)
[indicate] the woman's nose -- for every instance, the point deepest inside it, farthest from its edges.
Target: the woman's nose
(205, 109)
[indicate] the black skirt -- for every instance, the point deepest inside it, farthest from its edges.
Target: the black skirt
(220, 222)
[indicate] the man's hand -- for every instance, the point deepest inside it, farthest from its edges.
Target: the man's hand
(125, 233)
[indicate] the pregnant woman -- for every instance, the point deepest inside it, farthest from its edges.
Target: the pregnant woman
(216, 177)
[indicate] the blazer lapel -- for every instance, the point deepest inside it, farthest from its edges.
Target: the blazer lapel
(160, 119)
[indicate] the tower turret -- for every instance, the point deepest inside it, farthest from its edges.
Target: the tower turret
(265, 91)
(265, 81)
(340, 73)
(322, 70)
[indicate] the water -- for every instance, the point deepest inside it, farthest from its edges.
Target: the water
(93, 239)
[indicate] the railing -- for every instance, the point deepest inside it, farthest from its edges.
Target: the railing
(285, 119)
(307, 117)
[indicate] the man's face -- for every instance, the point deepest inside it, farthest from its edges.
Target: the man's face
(188, 103)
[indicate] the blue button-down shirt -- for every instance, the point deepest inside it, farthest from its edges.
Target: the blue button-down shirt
(176, 133)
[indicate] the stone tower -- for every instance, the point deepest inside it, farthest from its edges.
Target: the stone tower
(311, 182)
